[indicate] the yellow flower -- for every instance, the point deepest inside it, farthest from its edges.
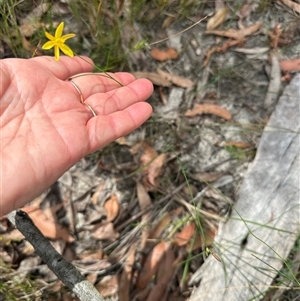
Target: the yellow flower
(58, 42)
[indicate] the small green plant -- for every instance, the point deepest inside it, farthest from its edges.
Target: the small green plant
(13, 288)
(264, 5)
(239, 153)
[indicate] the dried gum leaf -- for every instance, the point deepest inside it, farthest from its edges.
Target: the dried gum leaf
(164, 55)
(207, 176)
(96, 193)
(209, 53)
(49, 228)
(230, 43)
(168, 21)
(209, 237)
(108, 285)
(219, 17)
(112, 207)
(143, 197)
(155, 78)
(209, 109)
(155, 168)
(175, 79)
(105, 232)
(149, 154)
(236, 34)
(164, 277)
(151, 264)
(238, 144)
(294, 6)
(185, 235)
(126, 276)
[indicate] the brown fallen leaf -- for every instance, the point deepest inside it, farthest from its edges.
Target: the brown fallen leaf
(126, 276)
(51, 211)
(108, 285)
(275, 36)
(208, 55)
(223, 48)
(105, 232)
(175, 79)
(163, 278)
(141, 294)
(144, 202)
(236, 34)
(152, 163)
(199, 242)
(219, 17)
(238, 144)
(112, 207)
(92, 278)
(143, 196)
(207, 176)
(200, 109)
(155, 78)
(292, 65)
(151, 264)
(229, 43)
(48, 227)
(164, 55)
(96, 194)
(291, 4)
(168, 21)
(155, 169)
(185, 235)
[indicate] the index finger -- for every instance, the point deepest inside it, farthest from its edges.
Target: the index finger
(66, 66)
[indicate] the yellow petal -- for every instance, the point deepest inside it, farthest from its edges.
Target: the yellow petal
(59, 30)
(56, 52)
(66, 50)
(67, 36)
(49, 36)
(49, 45)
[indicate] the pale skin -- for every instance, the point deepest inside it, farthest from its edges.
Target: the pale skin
(44, 129)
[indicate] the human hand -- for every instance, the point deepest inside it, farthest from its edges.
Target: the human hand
(44, 129)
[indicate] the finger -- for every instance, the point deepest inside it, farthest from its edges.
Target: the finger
(66, 66)
(105, 129)
(121, 98)
(90, 84)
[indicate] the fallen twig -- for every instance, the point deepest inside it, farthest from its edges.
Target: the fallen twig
(275, 82)
(64, 270)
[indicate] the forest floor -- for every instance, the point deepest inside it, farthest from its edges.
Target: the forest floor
(151, 202)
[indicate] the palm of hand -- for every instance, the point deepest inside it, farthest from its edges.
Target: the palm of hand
(44, 127)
